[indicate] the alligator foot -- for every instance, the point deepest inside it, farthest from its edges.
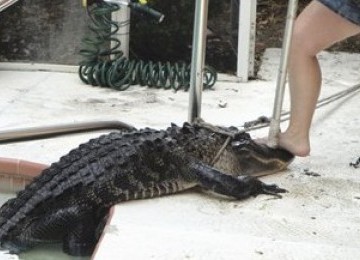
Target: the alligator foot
(273, 189)
(259, 187)
(240, 187)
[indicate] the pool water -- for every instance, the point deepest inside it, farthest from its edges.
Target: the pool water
(44, 252)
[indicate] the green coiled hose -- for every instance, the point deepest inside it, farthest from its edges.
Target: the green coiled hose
(119, 72)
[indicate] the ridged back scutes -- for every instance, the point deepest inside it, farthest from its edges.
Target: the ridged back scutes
(58, 174)
(87, 164)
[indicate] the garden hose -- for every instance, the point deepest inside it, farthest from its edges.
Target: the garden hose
(108, 67)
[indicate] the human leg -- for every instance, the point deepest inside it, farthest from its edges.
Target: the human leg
(316, 28)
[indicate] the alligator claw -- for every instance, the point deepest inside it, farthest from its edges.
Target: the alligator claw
(256, 186)
(272, 189)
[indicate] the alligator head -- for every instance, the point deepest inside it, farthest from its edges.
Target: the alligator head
(259, 159)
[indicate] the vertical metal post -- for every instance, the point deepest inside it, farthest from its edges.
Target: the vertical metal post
(122, 17)
(198, 58)
(6, 3)
(246, 39)
(281, 79)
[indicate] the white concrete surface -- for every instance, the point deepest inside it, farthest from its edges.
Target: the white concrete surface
(318, 219)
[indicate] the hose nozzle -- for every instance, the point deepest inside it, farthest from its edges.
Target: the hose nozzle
(140, 7)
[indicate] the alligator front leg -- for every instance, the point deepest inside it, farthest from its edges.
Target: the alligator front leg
(238, 187)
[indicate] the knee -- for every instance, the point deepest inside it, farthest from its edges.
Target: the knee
(303, 43)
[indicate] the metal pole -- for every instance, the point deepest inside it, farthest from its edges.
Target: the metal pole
(34, 133)
(198, 58)
(122, 17)
(281, 79)
(246, 39)
(6, 3)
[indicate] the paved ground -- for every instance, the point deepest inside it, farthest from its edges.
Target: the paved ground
(318, 219)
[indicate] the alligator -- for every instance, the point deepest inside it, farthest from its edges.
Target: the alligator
(69, 201)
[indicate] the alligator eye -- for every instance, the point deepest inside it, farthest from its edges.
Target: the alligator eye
(236, 143)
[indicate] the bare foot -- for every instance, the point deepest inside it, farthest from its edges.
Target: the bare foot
(295, 145)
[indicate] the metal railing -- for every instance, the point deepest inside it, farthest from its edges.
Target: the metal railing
(6, 3)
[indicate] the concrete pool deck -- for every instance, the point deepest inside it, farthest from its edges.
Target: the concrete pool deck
(318, 219)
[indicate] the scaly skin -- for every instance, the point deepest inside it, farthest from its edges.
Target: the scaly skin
(70, 199)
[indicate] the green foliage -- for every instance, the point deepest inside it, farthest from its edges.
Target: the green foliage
(170, 40)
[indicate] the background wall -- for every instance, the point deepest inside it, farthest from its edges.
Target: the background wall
(51, 31)
(42, 31)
